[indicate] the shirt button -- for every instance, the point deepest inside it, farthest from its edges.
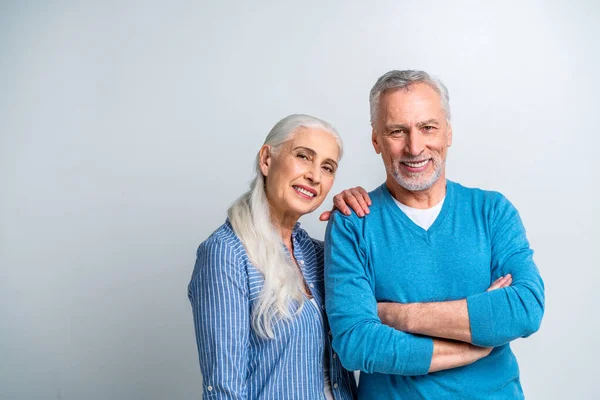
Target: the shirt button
(334, 356)
(301, 262)
(312, 285)
(329, 333)
(209, 388)
(335, 385)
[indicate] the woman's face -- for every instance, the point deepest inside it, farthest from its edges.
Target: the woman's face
(300, 175)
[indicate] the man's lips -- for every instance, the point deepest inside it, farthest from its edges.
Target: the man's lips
(416, 166)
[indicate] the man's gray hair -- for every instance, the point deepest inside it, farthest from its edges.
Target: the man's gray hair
(401, 80)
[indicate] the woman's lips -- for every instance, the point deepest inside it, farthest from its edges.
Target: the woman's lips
(304, 191)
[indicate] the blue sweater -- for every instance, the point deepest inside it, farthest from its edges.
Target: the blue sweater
(477, 237)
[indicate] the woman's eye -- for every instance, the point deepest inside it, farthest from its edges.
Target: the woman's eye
(329, 169)
(302, 156)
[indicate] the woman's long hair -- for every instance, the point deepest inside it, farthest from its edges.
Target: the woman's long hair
(251, 221)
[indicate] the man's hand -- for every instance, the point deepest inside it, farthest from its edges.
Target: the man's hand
(449, 354)
(356, 198)
(502, 282)
(444, 319)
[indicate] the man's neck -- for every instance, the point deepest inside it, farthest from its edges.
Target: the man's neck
(422, 199)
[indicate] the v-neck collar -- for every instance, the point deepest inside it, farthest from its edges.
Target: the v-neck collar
(409, 224)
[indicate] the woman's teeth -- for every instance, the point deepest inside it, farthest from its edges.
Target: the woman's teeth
(304, 191)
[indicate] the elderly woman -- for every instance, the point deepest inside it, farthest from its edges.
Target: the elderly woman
(257, 287)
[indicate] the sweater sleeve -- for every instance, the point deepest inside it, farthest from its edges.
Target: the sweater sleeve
(360, 339)
(500, 316)
(218, 293)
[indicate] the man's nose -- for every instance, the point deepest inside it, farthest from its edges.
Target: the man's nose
(415, 143)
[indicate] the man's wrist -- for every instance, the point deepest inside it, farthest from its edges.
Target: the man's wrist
(402, 316)
(410, 316)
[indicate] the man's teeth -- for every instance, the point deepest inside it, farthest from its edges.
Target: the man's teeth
(304, 191)
(416, 164)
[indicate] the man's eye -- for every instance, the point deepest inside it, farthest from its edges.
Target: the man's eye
(428, 128)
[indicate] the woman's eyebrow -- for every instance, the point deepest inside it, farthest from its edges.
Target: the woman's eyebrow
(314, 153)
(308, 149)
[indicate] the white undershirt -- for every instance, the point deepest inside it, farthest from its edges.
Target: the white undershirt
(327, 389)
(422, 217)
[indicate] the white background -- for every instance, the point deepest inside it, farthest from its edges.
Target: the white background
(127, 129)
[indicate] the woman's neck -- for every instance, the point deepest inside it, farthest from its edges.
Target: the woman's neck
(284, 224)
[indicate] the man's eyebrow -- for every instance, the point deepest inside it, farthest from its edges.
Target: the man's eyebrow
(431, 121)
(392, 127)
(314, 153)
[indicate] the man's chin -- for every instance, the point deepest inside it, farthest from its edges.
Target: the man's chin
(415, 186)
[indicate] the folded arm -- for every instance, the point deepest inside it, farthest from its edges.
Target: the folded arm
(359, 337)
(449, 354)
(219, 297)
(447, 319)
(491, 318)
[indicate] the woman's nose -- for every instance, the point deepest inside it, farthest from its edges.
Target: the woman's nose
(313, 175)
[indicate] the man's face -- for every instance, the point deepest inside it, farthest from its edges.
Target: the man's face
(412, 135)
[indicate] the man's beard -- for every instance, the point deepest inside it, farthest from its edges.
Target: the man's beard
(418, 181)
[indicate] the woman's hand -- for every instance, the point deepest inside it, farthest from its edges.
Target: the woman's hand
(356, 199)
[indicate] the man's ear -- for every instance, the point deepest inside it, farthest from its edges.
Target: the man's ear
(265, 159)
(449, 136)
(374, 140)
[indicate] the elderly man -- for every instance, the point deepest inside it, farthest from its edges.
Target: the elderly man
(425, 294)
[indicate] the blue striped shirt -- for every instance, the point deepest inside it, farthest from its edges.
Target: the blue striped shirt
(235, 362)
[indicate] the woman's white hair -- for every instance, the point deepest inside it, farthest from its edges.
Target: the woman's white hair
(251, 221)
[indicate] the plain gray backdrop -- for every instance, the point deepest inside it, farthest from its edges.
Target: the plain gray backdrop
(127, 129)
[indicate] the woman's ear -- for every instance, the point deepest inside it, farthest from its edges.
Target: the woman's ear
(265, 159)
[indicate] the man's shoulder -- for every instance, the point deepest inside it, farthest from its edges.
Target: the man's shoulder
(354, 227)
(378, 203)
(489, 204)
(462, 192)
(378, 195)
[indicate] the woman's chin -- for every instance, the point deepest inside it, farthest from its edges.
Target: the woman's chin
(304, 209)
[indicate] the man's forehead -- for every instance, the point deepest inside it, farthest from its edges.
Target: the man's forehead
(421, 102)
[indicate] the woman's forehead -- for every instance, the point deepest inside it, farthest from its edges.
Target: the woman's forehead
(322, 142)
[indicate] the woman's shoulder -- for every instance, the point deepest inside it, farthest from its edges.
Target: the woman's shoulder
(222, 242)
(220, 262)
(303, 237)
